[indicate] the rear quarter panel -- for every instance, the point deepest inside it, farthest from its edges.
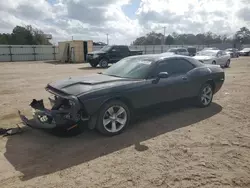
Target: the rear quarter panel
(203, 74)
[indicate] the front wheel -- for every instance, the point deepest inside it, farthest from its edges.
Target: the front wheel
(205, 96)
(104, 63)
(214, 62)
(113, 118)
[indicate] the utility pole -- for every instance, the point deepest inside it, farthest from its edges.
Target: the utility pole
(163, 40)
(107, 38)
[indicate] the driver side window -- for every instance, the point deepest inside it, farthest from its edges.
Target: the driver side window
(174, 67)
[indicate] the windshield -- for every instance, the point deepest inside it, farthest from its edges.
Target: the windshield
(132, 67)
(172, 50)
(206, 53)
(106, 48)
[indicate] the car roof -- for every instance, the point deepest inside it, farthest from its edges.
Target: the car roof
(177, 48)
(212, 50)
(157, 57)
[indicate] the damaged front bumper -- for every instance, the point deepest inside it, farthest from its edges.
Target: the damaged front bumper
(65, 113)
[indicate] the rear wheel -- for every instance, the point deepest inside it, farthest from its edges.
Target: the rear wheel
(113, 118)
(227, 63)
(205, 96)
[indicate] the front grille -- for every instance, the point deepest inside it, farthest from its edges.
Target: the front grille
(90, 56)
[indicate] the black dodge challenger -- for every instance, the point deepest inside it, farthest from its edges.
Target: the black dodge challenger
(106, 100)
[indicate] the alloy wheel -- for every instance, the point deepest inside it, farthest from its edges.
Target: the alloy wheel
(207, 95)
(114, 119)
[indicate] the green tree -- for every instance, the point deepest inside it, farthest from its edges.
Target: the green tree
(243, 35)
(169, 40)
(24, 36)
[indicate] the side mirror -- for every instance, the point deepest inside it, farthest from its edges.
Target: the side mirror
(160, 76)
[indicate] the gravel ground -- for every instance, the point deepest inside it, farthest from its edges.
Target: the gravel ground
(164, 147)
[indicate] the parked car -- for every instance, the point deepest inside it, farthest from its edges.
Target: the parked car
(110, 54)
(216, 57)
(191, 50)
(179, 51)
(233, 52)
(245, 52)
(106, 101)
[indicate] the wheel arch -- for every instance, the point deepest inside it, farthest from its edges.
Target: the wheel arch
(212, 83)
(123, 99)
(104, 57)
(95, 114)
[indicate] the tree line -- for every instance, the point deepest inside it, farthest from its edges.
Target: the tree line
(24, 36)
(242, 36)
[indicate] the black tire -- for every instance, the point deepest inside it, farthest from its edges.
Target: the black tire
(93, 64)
(199, 98)
(214, 62)
(227, 63)
(103, 63)
(104, 111)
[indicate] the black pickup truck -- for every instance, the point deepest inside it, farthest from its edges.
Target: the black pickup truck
(110, 54)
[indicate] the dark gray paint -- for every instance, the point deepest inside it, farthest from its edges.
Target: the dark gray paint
(94, 90)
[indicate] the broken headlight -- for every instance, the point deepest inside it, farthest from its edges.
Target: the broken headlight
(72, 103)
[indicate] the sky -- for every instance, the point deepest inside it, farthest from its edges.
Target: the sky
(124, 20)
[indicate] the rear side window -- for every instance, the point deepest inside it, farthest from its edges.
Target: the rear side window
(182, 50)
(174, 67)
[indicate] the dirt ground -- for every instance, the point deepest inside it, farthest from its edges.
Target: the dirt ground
(181, 147)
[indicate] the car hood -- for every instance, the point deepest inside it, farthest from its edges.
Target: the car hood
(203, 57)
(96, 52)
(85, 84)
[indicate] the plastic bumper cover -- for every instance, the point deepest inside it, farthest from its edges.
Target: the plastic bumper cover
(48, 119)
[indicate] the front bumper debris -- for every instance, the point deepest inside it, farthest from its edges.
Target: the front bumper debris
(35, 122)
(48, 119)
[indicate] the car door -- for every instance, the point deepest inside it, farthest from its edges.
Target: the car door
(176, 85)
(124, 52)
(186, 53)
(184, 83)
(114, 54)
(219, 60)
(225, 57)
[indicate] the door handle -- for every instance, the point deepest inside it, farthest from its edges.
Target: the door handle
(184, 78)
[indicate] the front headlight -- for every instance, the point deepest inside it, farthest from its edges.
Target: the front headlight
(95, 56)
(207, 61)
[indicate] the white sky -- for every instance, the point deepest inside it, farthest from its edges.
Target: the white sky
(124, 20)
